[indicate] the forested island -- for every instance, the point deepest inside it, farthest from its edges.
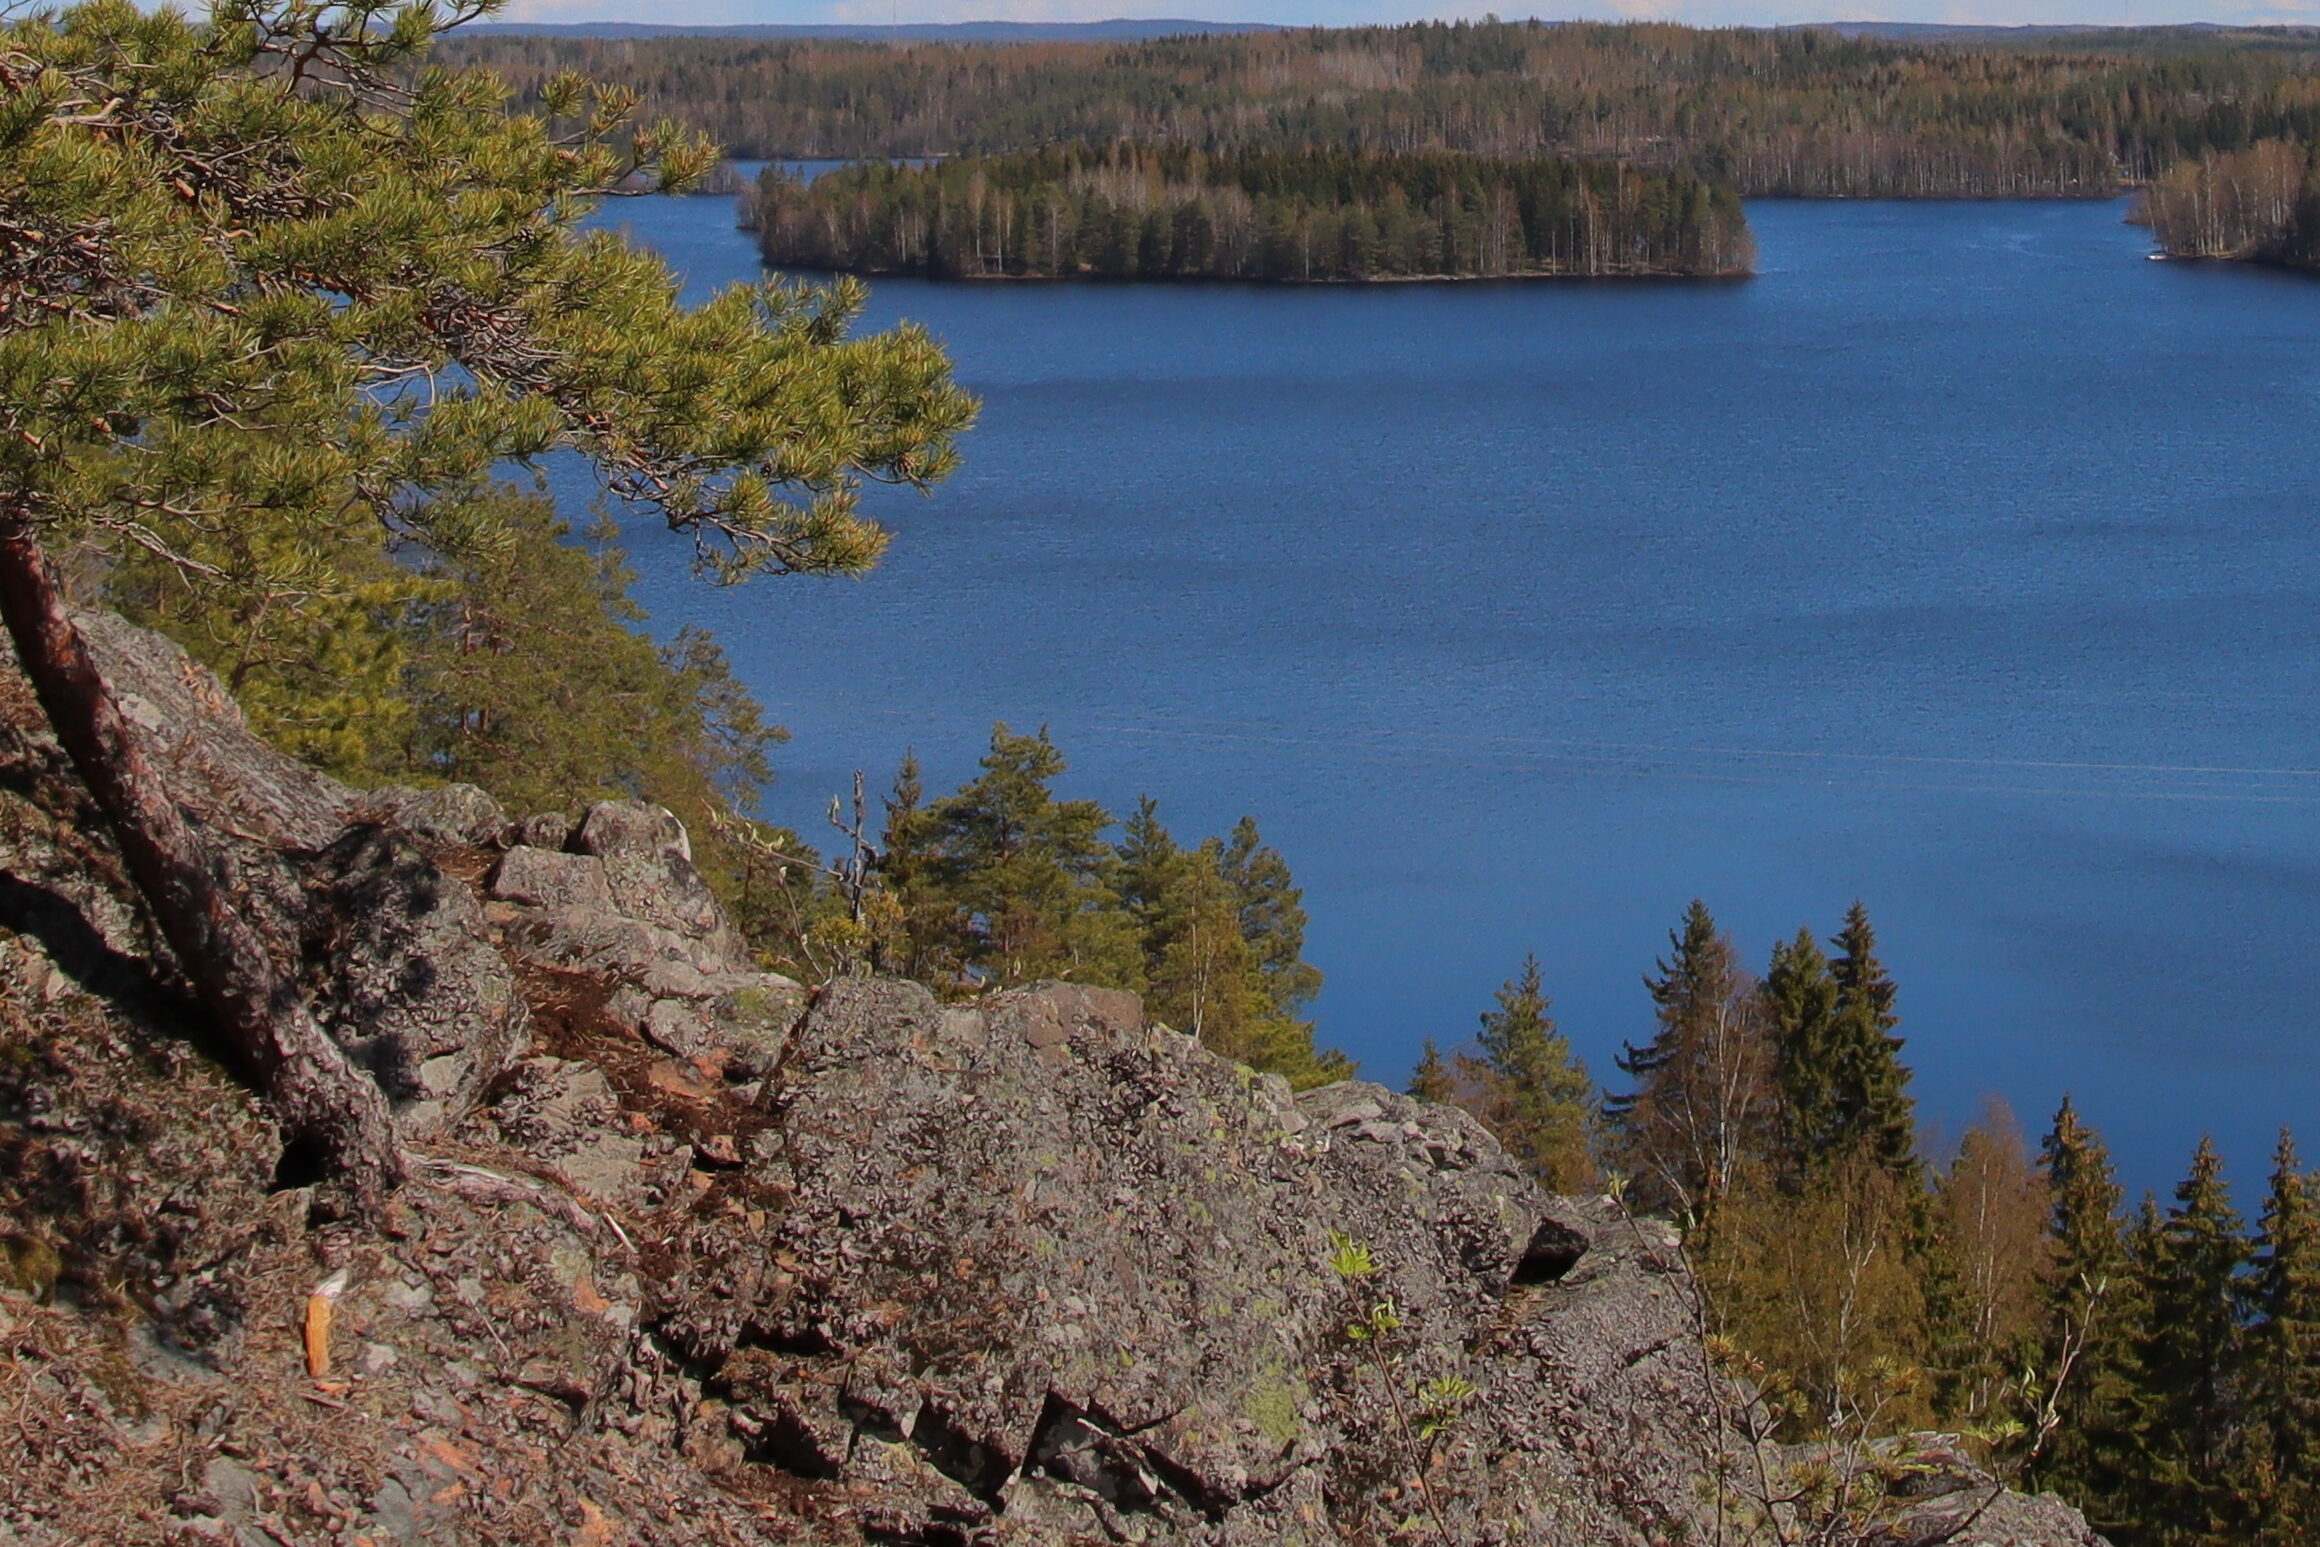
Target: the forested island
(1791, 112)
(1175, 212)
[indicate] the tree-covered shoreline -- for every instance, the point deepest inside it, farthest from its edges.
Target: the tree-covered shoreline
(2260, 205)
(1176, 213)
(1790, 112)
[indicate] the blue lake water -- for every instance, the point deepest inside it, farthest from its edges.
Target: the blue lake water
(1964, 562)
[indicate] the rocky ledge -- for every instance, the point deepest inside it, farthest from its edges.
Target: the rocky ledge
(691, 1257)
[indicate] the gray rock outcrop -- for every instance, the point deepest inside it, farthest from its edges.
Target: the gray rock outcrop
(689, 1259)
(625, 903)
(1077, 1269)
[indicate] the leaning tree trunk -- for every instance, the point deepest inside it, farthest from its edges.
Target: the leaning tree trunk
(323, 1101)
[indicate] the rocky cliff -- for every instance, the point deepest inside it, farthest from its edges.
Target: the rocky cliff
(693, 1256)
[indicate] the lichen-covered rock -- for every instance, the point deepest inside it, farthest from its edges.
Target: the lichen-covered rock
(405, 976)
(648, 861)
(194, 731)
(452, 815)
(544, 830)
(399, 965)
(628, 905)
(1073, 1257)
(554, 882)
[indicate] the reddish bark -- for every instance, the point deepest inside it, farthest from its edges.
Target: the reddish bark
(189, 883)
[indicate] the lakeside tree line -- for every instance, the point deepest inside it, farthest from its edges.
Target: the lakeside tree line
(2159, 1367)
(1791, 112)
(1176, 212)
(2261, 204)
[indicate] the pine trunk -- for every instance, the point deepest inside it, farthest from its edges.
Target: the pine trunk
(326, 1106)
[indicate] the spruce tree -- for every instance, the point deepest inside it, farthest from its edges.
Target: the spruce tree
(2282, 1367)
(1700, 1107)
(1534, 1093)
(1800, 1000)
(928, 938)
(2189, 1438)
(1149, 862)
(1873, 1105)
(1431, 1080)
(2085, 1400)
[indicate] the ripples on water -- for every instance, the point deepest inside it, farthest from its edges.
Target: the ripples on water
(1963, 561)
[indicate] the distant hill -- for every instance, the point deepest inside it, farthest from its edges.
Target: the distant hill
(1947, 32)
(1117, 31)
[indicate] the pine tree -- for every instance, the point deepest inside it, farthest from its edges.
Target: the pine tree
(1272, 916)
(2086, 1385)
(2282, 1394)
(2191, 1346)
(267, 322)
(1532, 1091)
(1700, 1108)
(1027, 874)
(1221, 932)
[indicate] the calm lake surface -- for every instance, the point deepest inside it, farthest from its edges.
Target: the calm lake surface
(1964, 562)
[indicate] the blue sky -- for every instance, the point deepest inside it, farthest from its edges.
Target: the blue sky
(1341, 12)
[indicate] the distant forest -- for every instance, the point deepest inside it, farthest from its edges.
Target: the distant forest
(1802, 112)
(1286, 216)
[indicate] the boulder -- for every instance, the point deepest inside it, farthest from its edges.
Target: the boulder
(447, 816)
(628, 905)
(648, 862)
(556, 882)
(405, 976)
(396, 958)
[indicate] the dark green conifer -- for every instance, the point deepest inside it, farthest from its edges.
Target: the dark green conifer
(2192, 1342)
(1149, 863)
(2085, 1396)
(2282, 1474)
(925, 934)
(1800, 999)
(1874, 1106)
(1431, 1080)
(1026, 873)
(1701, 1102)
(1535, 1093)
(1221, 930)
(1272, 916)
